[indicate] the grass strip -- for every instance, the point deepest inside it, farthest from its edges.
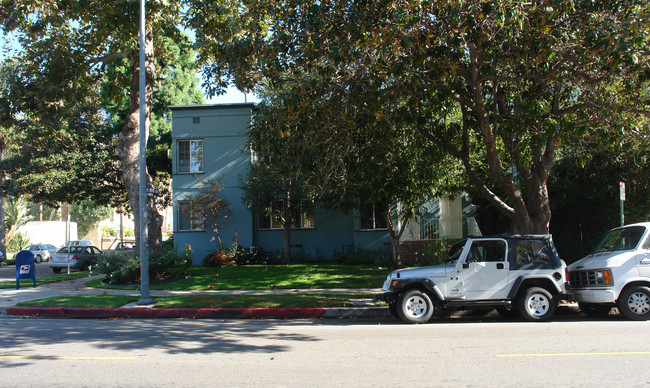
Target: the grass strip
(205, 301)
(87, 301)
(26, 283)
(264, 277)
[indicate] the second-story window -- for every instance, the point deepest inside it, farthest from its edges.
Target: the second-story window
(190, 156)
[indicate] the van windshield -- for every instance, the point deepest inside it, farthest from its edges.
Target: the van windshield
(621, 239)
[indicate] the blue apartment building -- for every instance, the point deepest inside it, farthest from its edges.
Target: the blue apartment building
(209, 142)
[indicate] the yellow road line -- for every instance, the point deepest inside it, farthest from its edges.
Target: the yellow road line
(65, 358)
(572, 354)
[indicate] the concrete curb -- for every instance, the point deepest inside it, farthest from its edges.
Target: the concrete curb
(200, 313)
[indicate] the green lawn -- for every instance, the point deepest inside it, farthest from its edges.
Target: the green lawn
(82, 301)
(204, 301)
(24, 283)
(261, 277)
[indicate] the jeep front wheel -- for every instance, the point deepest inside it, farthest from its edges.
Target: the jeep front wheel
(415, 306)
(537, 304)
(634, 303)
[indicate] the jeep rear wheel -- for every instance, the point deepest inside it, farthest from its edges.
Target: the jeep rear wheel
(415, 306)
(634, 303)
(537, 304)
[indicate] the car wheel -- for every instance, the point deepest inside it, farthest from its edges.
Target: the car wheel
(415, 306)
(594, 310)
(38, 259)
(537, 304)
(56, 270)
(634, 303)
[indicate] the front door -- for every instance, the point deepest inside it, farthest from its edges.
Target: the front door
(485, 271)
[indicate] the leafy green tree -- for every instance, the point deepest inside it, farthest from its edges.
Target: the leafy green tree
(207, 206)
(17, 215)
(72, 43)
(500, 85)
(284, 163)
(87, 214)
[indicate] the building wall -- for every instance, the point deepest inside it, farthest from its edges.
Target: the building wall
(223, 131)
(226, 156)
(333, 232)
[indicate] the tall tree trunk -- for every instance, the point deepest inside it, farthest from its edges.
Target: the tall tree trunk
(128, 148)
(395, 232)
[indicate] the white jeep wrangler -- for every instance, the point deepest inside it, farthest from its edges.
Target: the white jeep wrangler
(617, 274)
(514, 273)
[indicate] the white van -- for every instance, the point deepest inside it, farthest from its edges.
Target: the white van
(617, 274)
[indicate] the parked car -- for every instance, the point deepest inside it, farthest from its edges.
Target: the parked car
(516, 274)
(616, 274)
(75, 257)
(123, 246)
(77, 242)
(42, 252)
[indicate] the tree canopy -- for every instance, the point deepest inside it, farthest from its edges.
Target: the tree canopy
(75, 45)
(500, 85)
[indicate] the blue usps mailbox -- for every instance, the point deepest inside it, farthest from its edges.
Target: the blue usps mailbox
(25, 267)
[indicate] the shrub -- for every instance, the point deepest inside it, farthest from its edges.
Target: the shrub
(358, 256)
(385, 261)
(124, 267)
(219, 259)
(436, 251)
(228, 257)
(251, 255)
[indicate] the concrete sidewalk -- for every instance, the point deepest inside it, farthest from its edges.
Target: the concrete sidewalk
(10, 297)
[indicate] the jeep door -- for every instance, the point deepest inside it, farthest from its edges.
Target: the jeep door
(485, 270)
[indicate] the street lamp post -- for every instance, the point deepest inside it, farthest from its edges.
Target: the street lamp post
(144, 262)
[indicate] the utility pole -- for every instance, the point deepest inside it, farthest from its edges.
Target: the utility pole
(144, 261)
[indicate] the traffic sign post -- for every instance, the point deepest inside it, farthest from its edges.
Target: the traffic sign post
(622, 196)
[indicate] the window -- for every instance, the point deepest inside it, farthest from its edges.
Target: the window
(532, 252)
(303, 215)
(190, 156)
(189, 221)
(373, 216)
(490, 250)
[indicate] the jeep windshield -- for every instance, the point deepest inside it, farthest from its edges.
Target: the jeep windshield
(455, 251)
(621, 239)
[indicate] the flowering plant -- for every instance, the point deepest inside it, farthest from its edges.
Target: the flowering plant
(219, 259)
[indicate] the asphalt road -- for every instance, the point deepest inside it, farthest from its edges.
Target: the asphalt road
(8, 272)
(574, 352)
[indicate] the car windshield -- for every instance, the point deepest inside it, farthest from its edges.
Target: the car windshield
(621, 239)
(455, 251)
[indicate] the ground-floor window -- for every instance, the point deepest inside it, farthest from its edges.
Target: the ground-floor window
(302, 215)
(189, 221)
(373, 216)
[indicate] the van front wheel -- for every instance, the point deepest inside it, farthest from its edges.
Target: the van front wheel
(634, 303)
